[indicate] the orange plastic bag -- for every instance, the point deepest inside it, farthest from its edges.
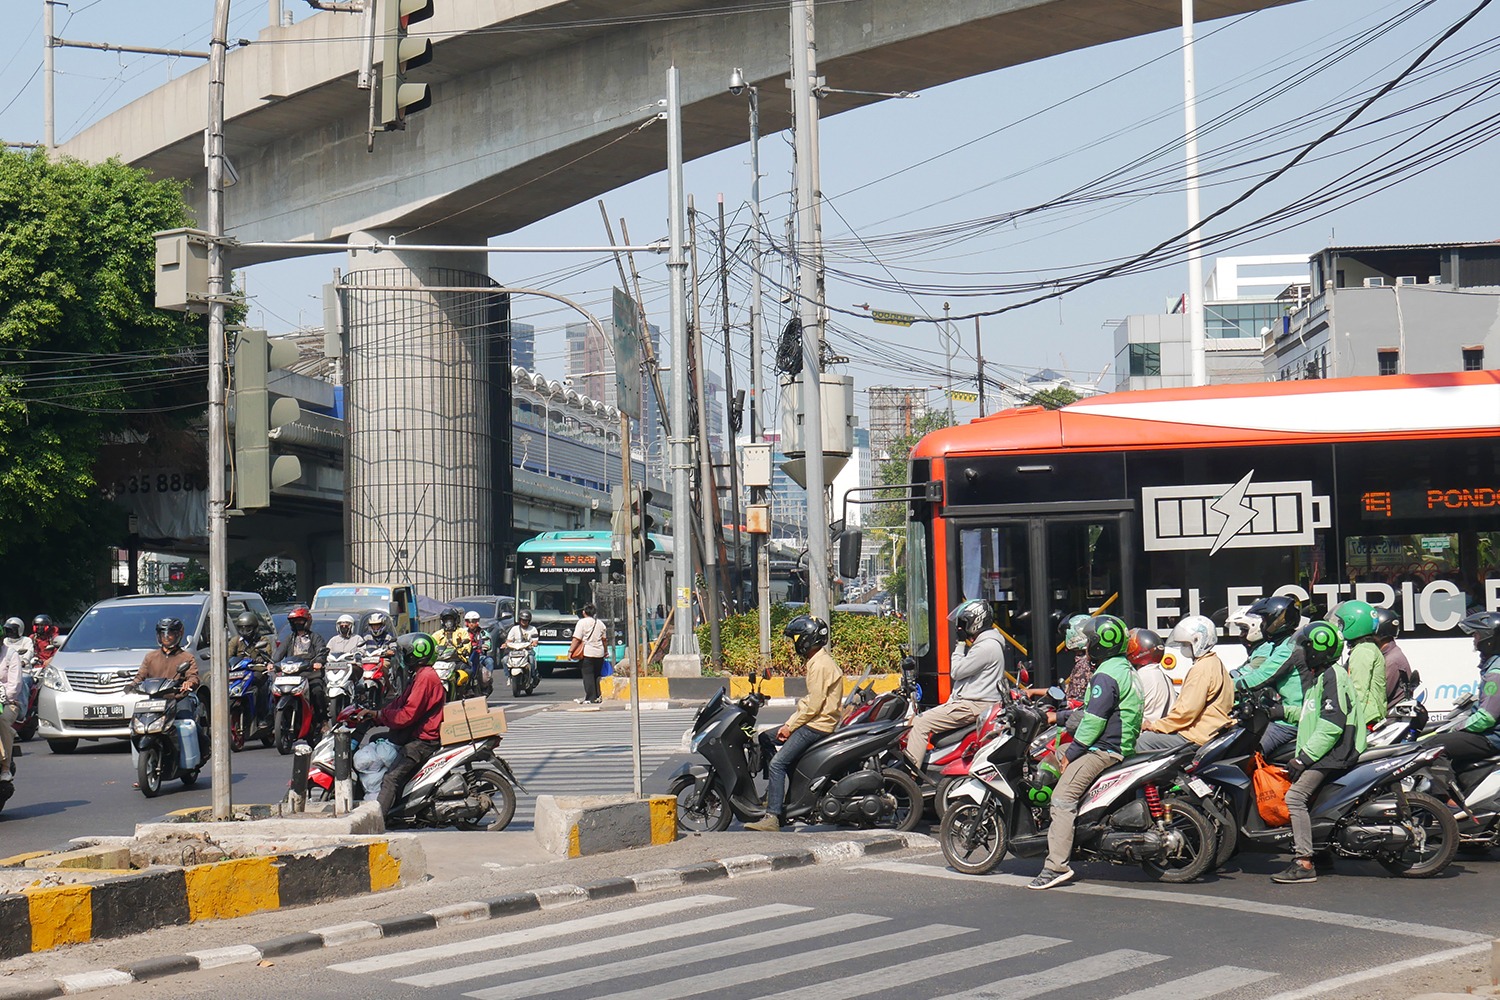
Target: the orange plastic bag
(1271, 784)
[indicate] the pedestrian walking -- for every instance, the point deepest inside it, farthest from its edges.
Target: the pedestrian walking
(587, 648)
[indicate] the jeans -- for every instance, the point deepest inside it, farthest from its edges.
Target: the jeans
(371, 762)
(482, 668)
(1298, 798)
(786, 758)
(1150, 742)
(408, 762)
(1071, 788)
(1276, 736)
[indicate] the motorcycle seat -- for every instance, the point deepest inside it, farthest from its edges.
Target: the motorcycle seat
(1283, 754)
(1381, 753)
(951, 738)
(1485, 763)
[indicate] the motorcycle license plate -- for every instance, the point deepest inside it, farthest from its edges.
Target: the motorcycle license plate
(150, 705)
(1200, 787)
(104, 711)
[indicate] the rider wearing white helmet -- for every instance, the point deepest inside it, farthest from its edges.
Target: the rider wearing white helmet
(1207, 693)
(345, 641)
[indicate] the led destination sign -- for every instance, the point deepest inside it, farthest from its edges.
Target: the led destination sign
(1378, 504)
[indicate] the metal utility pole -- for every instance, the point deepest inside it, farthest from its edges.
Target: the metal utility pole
(810, 303)
(979, 357)
(684, 659)
(49, 98)
(632, 602)
(948, 353)
(708, 494)
(218, 565)
(1197, 338)
(734, 451)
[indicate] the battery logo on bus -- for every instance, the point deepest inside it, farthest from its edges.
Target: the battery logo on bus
(1242, 515)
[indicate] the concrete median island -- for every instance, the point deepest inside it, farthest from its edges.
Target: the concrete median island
(579, 826)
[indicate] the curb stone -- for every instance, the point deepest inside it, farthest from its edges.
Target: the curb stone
(514, 904)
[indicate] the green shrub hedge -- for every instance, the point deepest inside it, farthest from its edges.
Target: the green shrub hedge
(858, 642)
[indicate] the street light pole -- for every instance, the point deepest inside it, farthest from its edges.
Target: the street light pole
(1197, 338)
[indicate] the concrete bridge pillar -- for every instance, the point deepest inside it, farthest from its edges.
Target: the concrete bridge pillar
(424, 344)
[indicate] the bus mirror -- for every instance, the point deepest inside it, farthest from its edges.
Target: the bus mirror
(851, 544)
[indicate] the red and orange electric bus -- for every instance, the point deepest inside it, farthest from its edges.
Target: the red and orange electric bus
(1162, 503)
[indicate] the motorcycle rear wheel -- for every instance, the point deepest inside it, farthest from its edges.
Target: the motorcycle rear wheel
(940, 795)
(1199, 850)
(974, 838)
(1437, 821)
(715, 815)
(148, 771)
(491, 782)
(909, 803)
(26, 728)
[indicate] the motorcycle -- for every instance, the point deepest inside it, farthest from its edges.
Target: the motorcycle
(1131, 814)
(291, 699)
(371, 690)
(26, 719)
(452, 673)
(1371, 812)
(338, 680)
(839, 779)
(247, 716)
(166, 747)
(458, 786)
(520, 666)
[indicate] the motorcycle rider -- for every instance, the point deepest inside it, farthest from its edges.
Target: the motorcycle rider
(11, 671)
(162, 663)
(1269, 624)
(1401, 681)
(415, 718)
(44, 637)
(1355, 620)
(816, 716)
(451, 633)
(977, 669)
(1145, 650)
(345, 641)
(1105, 736)
(1330, 738)
(25, 647)
(1077, 685)
(1203, 704)
(380, 634)
(248, 642)
(308, 646)
(479, 652)
(1480, 736)
(524, 635)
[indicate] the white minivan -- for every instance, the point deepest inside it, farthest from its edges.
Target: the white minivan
(83, 688)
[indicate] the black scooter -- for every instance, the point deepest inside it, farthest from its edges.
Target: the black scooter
(837, 780)
(166, 747)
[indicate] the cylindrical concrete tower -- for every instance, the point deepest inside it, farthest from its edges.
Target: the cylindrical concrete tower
(419, 480)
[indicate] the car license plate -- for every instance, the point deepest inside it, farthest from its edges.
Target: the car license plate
(104, 711)
(1200, 787)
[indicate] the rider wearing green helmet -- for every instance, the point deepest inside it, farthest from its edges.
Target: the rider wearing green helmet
(1357, 623)
(415, 718)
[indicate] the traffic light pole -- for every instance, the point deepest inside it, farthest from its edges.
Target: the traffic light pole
(632, 602)
(218, 565)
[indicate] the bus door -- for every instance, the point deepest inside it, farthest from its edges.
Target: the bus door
(1037, 571)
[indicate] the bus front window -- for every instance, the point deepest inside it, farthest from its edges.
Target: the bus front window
(554, 594)
(918, 589)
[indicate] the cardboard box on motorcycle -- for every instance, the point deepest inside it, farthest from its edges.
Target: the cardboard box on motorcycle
(471, 719)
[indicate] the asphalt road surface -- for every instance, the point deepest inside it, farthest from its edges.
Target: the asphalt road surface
(912, 928)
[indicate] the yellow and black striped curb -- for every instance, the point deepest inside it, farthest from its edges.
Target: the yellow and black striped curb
(703, 688)
(513, 905)
(44, 917)
(581, 826)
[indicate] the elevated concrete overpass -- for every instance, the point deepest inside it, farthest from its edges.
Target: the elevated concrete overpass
(525, 90)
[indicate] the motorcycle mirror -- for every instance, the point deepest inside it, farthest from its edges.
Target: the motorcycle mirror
(1024, 676)
(1056, 693)
(182, 669)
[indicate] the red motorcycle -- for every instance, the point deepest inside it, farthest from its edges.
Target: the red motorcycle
(372, 689)
(291, 701)
(1046, 749)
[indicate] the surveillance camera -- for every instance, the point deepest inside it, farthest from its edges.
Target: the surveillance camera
(786, 298)
(737, 82)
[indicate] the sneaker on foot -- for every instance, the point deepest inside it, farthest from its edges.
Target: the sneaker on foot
(1050, 879)
(1298, 872)
(766, 824)
(596, 701)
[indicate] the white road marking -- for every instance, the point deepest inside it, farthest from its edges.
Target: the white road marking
(1085, 970)
(785, 965)
(415, 956)
(1339, 982)
(583, 949)
(908, 973)
(1332, 918)
(682, 956)
(1201, 985)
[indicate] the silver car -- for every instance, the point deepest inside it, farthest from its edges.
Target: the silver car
(83, 688)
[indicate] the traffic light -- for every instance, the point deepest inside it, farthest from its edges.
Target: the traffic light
(400, 54)
(257, 419)
(643, 523)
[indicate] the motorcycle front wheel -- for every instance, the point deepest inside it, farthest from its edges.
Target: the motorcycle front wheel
(284, 734)
(517, 685)
(907, 812)
(1200, 843)
(1432, 851)
(714, 815)
(973, 837)
(26, 728)
(148, 771)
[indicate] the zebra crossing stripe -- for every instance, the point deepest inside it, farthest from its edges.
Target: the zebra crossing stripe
(1202, 985)
(415, 956)
(586, 949)
(1085, 970)
(908, 973)
(682, 956)
(783, 965)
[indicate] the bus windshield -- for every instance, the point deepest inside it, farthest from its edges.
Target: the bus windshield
(553, 594)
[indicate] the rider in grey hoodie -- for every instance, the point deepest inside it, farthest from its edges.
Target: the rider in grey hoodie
(977, 672)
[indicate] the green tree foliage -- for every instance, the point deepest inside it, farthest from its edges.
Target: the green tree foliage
(858, 642)
(1053, 399)
(83, 355)
(894, 469)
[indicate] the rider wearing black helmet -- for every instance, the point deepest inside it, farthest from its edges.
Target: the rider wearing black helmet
(977, 671)
(524, 635)
(164, 663)
(251, 642)
(44, 637)
(1480, 735)
(1269, 624)
(1401, 681)
(415, 718)
(815, 717)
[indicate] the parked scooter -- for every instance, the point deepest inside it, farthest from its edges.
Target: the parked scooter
(838, 779)
(166, 747)
(248, 718)
(292, 700)
(1132, 814)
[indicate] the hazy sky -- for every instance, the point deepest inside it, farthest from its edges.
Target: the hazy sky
(984, 193)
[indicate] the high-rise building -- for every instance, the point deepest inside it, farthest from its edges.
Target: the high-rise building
(589, 355)
(713, 387)
(894, 412)
(523, 345)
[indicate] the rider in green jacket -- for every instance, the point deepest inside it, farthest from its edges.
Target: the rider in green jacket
(1269, 626)
(1355, 620)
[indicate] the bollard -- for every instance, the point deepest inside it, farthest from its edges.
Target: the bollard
(343, 784)
(301, 761)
